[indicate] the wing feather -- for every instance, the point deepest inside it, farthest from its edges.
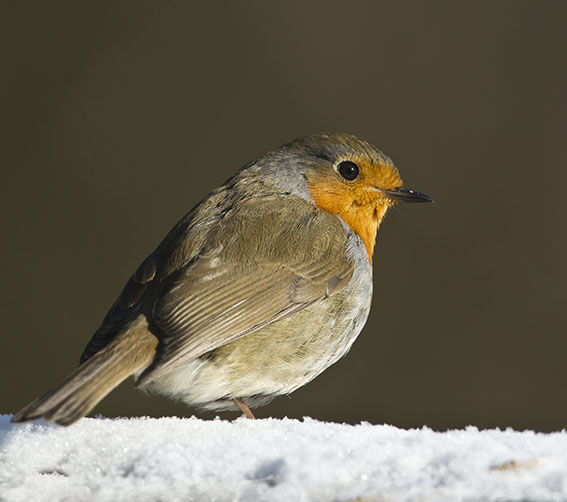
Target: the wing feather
(214, 301)
(125, 308)
(206, 286)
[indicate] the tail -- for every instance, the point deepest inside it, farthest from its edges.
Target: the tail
(82, 390)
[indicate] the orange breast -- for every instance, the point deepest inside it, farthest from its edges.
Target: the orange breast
(359, 203)
(357, 210)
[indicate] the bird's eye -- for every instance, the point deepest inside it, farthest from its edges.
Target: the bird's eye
(348, 170)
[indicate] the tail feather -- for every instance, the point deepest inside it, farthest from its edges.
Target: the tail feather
(82, 390)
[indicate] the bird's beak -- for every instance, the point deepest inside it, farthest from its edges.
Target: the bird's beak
(406, 195)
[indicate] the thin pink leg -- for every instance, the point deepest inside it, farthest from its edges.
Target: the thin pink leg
(244, 408)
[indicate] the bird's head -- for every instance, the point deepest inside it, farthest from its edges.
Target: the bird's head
(346, 176)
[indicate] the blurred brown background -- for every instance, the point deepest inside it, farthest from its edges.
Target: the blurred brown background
(118, 117)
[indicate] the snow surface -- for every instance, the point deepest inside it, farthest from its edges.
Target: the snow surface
(173, 459)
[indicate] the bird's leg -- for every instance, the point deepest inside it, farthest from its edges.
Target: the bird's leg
(244, 408)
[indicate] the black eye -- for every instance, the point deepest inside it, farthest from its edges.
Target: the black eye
(349, 170)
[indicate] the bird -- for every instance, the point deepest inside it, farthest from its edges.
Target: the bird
(257, 290)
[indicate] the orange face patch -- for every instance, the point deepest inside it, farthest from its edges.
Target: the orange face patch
(359, 203)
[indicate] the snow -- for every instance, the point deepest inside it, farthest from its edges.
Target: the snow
(174, 459)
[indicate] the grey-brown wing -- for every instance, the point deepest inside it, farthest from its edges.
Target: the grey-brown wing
(125, 308)
(214, 302)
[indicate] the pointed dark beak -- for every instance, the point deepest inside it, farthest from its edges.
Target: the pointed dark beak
(406, 195)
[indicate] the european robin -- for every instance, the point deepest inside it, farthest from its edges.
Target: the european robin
(258, 289)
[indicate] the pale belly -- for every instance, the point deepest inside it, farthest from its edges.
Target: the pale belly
(276, 359)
